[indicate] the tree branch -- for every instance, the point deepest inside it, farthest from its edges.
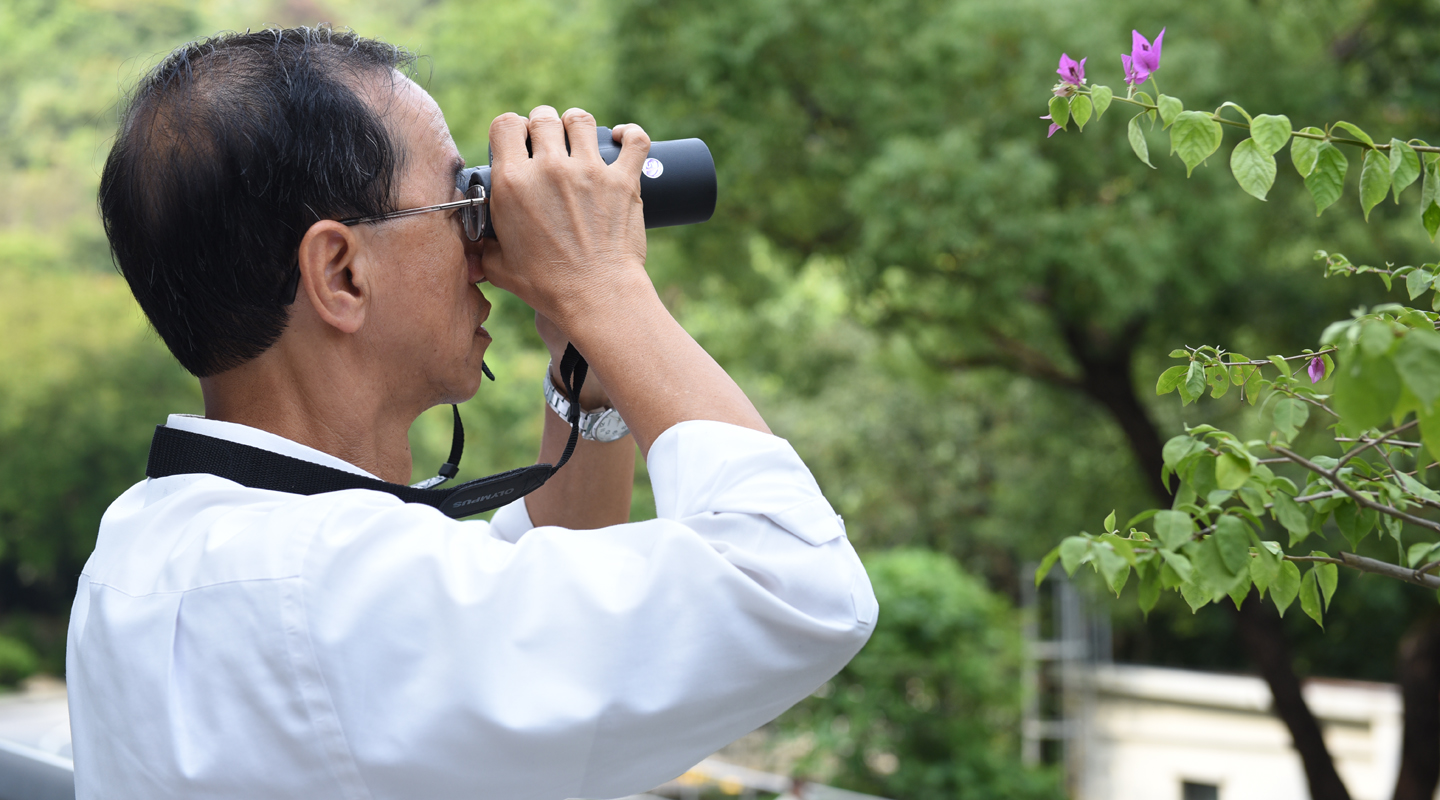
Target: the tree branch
(1374, 566)
(1359, 448)
(1354, 495)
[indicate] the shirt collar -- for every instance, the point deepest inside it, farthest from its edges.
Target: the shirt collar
(254, 437)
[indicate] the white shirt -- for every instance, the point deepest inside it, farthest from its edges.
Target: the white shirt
(229, 642)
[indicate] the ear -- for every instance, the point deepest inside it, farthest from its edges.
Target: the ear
(331, 275)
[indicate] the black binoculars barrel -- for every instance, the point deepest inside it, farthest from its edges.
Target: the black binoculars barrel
(677, 183)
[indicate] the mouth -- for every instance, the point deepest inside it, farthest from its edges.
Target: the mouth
(483, 315)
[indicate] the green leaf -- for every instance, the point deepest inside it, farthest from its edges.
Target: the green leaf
(1303, 151)
(1240, 590)
(1253, 169)
(1310, 598)
(1288, 512)
(1430, 197)
(1170, 107)
(1430, 430)
(1366, 391)
(1231, 471)
(1327, 181)
(1354, 522)
(1270, 132)
(1419, 489)
(1264, 569)
(1170, 379)
(1327, 576)
(1417, 359)
(1194, 595)
(1179, 448)
(1233, 540)
(1194, 136)
(1374, 180)
(1113, 567)
(1404, 166)
(1285, 586)
(1393, 527)
(1149, 589)
(1174, 528)
(1354, 131)
(1060, 111)
(1375, 339)
(1072, 550)
(1100, 95)
(1110, 522)
(1194, 385)
(1418, 281)
(1046, 564)
(1290, 416)
(1137, 140)
(1202, 477)
(1080, 108)
(1184, 570)
(1420, 553)
(1211, 571)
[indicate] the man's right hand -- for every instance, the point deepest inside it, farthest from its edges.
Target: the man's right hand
(571, 228)
(573, 234)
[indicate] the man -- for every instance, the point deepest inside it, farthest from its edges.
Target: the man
(229, 641)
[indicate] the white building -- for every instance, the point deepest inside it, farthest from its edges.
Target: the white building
(1168, 734)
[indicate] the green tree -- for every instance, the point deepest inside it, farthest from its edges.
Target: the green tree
(901, 138)
(930, 708)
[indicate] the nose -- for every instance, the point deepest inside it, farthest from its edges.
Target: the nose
(475, 260)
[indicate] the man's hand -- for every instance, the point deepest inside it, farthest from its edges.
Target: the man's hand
(573, 233)
(571, 229)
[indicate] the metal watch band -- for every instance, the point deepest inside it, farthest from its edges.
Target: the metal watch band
(600, 425)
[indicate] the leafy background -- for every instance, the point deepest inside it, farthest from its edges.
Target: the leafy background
(957, 321)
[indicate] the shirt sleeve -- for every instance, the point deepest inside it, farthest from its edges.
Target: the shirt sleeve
(585, 663)
(511, 521)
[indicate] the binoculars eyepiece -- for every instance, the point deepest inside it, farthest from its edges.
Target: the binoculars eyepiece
(677, 183)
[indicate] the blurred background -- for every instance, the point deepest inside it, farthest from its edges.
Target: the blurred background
(957, 322)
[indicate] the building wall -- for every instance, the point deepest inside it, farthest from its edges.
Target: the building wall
(1147, 731)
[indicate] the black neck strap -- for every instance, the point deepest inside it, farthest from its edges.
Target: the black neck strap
(177, 452)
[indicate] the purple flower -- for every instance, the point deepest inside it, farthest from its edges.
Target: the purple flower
(1317, 369)
(1071, 72)
(1144, 58)
(1053, 127)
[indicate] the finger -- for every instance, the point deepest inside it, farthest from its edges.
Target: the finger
(507, 138)
(547, 133)
(634, 148)
(580, 127)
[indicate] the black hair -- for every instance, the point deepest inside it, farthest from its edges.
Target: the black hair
(228, 151)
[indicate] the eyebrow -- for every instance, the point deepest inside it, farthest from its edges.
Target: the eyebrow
(456, 165)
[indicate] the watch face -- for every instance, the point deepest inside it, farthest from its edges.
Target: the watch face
(609, 427)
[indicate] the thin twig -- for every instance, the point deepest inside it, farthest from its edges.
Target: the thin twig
(1374, 566)
(1359, 448)
(1392, 442)
(1354, 495)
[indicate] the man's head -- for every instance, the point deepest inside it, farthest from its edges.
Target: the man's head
(235, 156)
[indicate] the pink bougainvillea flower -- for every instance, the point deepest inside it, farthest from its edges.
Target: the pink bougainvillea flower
(1144, 54)
(1053, 127)
(1144, 58)
(1317, 369)
(1070, 71)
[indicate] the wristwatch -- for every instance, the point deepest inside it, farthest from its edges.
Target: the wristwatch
(600, 425)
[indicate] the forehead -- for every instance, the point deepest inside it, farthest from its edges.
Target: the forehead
(414, 118)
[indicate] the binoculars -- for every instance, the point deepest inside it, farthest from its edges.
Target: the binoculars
(677, 182)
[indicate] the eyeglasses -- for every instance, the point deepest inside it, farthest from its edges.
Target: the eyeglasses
(472, 216)
(472, 212)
